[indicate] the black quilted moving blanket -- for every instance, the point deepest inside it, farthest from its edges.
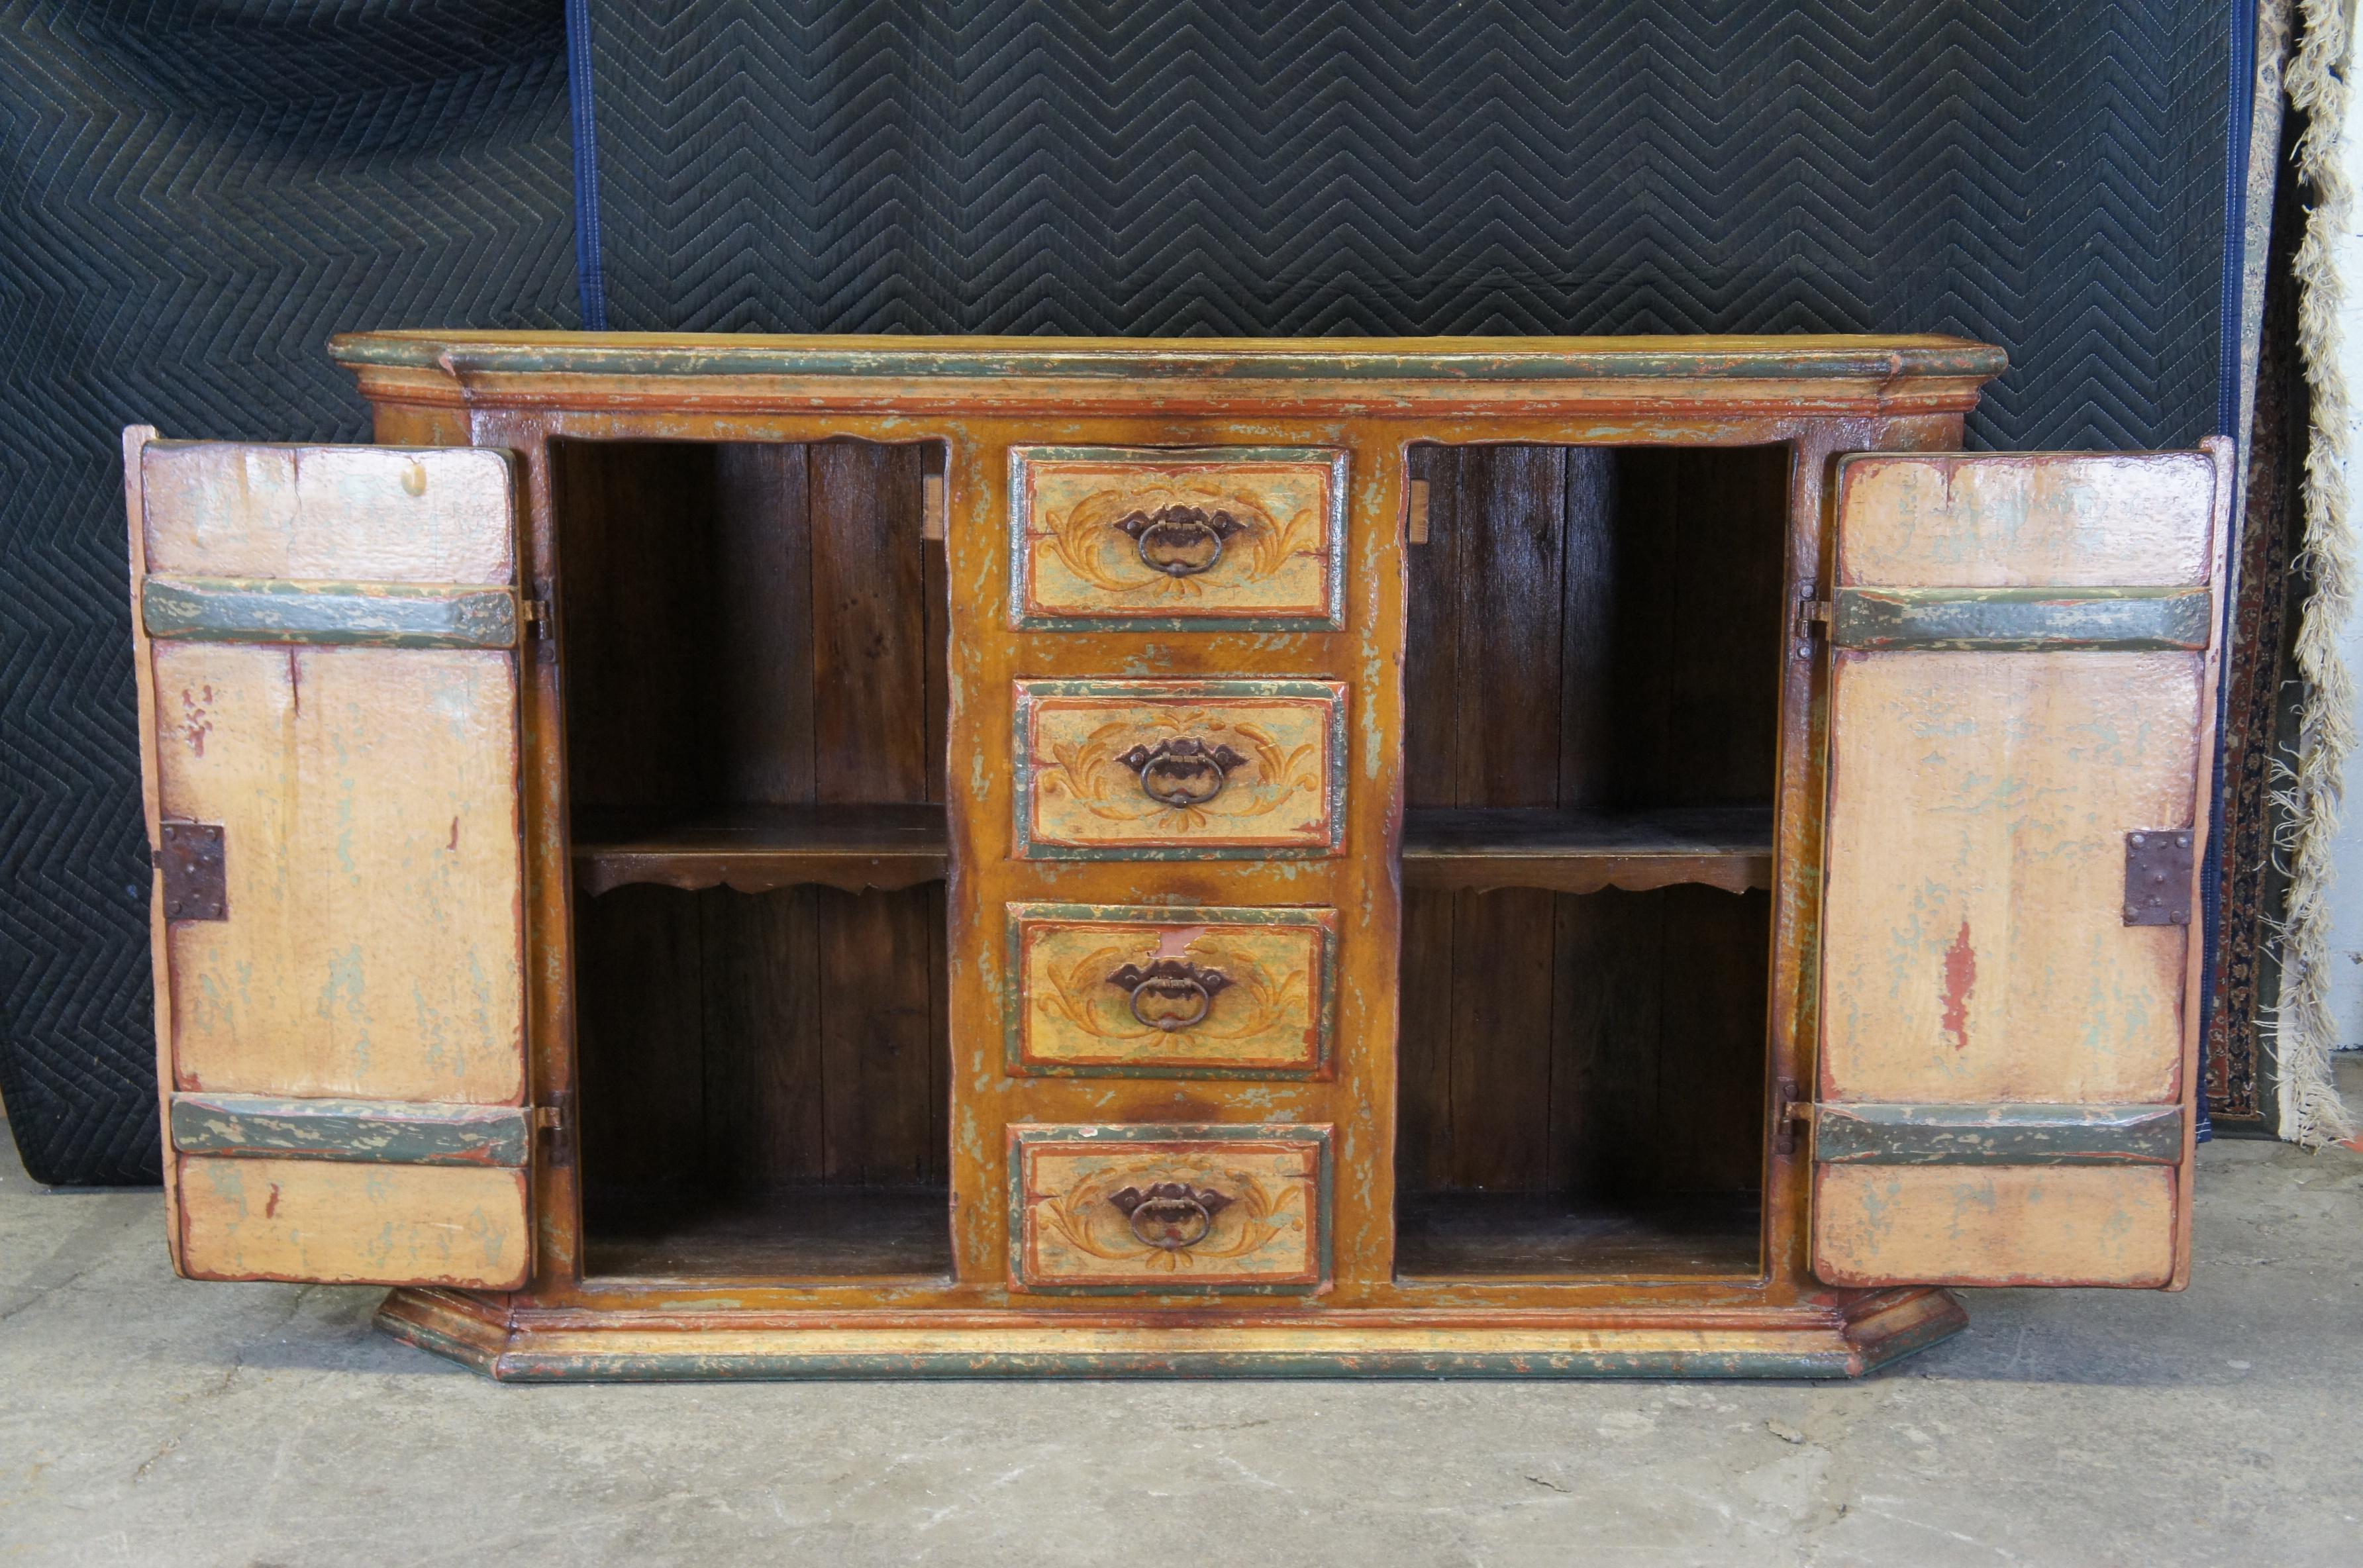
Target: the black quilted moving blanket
(193, 198)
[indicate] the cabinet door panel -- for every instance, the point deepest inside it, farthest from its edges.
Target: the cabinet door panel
(340, 973)
(2002, 1038)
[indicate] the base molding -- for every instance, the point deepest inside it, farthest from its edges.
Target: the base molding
(1847, 1339)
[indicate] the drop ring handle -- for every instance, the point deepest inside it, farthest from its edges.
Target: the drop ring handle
(1180, 541)
(1183, 771)
(1170, 1215)
(1169, 994)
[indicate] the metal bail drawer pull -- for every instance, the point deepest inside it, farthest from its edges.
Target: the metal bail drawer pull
(1171, 994)
(1180, 541)
(1171, 1215)
(1182, 772)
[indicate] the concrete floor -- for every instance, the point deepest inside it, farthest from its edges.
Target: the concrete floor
(149, 1420)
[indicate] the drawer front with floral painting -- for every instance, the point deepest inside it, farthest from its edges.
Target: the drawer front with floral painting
(1142, 1208)
(1177, 540)
(1167, 991)
(1180, 770)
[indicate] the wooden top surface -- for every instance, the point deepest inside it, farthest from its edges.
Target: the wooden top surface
(1789, 358)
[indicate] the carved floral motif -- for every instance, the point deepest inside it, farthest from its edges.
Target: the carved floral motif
(1122, 534)
(1252, 1212)
(1276, 787)
(1099, 537)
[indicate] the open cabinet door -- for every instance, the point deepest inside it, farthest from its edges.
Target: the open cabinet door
(327, 645)
(2022, 714)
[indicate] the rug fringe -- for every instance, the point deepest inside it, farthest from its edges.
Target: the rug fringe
(2306, 1030)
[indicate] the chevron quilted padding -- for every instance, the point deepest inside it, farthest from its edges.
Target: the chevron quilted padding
(194, 196)
(2044, 174)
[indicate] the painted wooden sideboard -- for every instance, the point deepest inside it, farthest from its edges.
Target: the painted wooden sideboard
(732, 856)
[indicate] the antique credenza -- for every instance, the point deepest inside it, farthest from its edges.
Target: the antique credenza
(737, 855)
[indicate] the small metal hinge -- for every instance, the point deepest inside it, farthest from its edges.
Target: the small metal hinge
(2158, 877)
(1811, 613)
(1415, 512)
(196, 876)
(1789, 1114)
(556, 1121)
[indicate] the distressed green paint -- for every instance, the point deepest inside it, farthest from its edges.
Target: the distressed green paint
(1013, 1001)
(1117, 1133)
(1997, 1135)
(336, 614)
(1450, 359)
(2123, 620)
(394, 1133)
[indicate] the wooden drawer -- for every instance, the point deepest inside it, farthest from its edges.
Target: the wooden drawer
(1168, 540)
(1141, 1208)
(1180, 770)
(1159, 991)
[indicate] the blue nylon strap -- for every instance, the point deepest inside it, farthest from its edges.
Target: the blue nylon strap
(2237, 124)
(589, 268)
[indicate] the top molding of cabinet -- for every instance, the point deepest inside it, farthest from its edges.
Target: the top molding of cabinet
(1811, 374)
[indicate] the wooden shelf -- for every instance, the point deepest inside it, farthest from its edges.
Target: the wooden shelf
(810, 1233)
(754, 850)
(1580, 852)
(1503, 1236)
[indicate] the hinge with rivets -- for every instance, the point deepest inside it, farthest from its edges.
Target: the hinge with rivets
(2158, 877)
(196, 874)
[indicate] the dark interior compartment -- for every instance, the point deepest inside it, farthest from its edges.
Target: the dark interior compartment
(755, 634)
(1594, 650)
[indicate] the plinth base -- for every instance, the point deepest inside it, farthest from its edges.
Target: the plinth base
(554, 1346)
